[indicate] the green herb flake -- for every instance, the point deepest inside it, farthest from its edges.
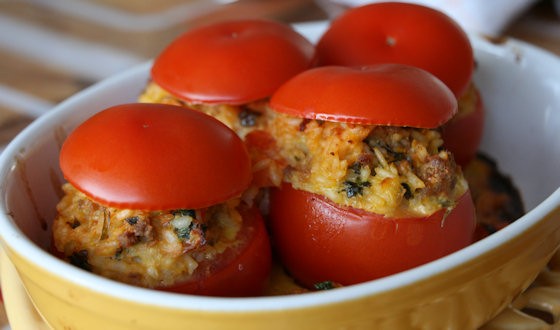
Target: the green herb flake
(183, 223)
(355, 167)
(325, 285)
(132, 220)
(184, 213)
(184, 233)
(355, 188)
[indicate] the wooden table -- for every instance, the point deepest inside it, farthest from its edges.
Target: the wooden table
(51, 49)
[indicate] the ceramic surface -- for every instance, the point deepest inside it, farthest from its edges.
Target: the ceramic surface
(521, 88)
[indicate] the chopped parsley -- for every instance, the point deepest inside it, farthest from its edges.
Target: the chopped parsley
(355, 184)
(184, 233)
(184, 213)
(132, 220)
(325, 285)
(183, 223)
(355, 188)
(355, 167)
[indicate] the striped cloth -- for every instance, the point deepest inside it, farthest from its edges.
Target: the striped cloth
(51, 49)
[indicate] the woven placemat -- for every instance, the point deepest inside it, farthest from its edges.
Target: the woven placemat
(538, 308)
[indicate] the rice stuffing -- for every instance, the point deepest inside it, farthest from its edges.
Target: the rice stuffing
(394, 171)
(143, 248)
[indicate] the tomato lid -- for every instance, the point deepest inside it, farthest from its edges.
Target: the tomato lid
(384, 94)
(155, 157)
(406, 33)
(232, 62)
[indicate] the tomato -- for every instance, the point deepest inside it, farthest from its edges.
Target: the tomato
(463, 133)
(319, 241)
(267, 163)
(241, 271)
(155, 157)
(416, 35)
(383, 94)
(406, 33)
(238, 272)
(232, 62)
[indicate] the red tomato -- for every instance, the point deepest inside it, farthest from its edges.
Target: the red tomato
(155, 157)
(238, 272)
(383, 94)
(404, 33)
(267, 162)
(319, 241)
(463, 133)
(232, 62)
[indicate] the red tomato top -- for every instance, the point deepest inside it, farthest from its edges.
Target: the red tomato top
(232, 62)
(384, 94)
(400, 33)
(155, 157)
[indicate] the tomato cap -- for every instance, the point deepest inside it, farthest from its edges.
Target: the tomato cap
(232, 62)
(393, 32)
(384, 94)
(155, 157)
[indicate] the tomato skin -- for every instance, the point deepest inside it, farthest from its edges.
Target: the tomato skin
(264, 150)
(155, 157)
(232, 62)
(463, 133)
(318, 241)
(415, 35)
(238, 273)
(382, 94)
(404, 33)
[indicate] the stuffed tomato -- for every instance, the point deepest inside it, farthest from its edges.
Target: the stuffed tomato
(150, 202)
(229, 70)
(369, 189)
(395, 32)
